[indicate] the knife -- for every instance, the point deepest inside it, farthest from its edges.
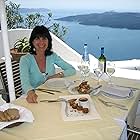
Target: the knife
(42, 89)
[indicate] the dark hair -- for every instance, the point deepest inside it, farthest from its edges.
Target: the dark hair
(41, 31)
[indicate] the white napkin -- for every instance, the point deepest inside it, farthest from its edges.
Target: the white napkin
(116, 91)
(25, 115)
(69, 115)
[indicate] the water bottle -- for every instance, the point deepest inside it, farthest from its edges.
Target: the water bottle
(85, 55)
(102, 61)
(85, 69)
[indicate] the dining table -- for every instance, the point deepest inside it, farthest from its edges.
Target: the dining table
(49, 123)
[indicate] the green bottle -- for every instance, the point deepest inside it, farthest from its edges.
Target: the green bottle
(102, 61)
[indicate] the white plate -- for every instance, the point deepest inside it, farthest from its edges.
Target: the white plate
(55, 83)
(70, 114)
(117, 92)
(72, 90)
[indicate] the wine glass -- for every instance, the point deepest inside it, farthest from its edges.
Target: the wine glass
(98, 72)
(110, 71)
(84, 68)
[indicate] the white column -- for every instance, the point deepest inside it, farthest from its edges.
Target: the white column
(6, 50)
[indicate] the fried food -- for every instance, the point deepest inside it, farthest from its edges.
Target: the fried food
(84, 88)
(85, 110)
(74, 106)
(71, 101)
(79, 108)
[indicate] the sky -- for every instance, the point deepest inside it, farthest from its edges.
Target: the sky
(122, 5)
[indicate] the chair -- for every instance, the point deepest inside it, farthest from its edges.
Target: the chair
(16, 77)
(133, 134)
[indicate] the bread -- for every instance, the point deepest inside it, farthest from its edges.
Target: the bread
(2, 117)
(13, 113)
(9, 114)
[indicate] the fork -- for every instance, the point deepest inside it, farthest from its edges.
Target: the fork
(110, 104)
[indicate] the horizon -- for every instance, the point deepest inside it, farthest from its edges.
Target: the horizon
(97, 5)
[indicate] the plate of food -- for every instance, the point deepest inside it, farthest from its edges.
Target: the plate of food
(78, 107)
(84, 88)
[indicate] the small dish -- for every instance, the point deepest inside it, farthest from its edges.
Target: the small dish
(84, 102)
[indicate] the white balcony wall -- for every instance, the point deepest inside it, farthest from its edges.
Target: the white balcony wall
(58, 45)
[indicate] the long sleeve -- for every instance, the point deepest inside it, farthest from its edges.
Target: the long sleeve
(24, 75)
(30, 75)
(68, 69)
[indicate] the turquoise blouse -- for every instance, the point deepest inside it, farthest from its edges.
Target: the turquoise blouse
(31, 76)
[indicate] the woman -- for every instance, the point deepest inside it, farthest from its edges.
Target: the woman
(38, 66)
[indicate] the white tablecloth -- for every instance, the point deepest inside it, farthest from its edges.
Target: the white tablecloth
(49, 124)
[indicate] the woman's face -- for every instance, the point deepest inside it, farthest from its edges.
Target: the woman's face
(40, 44)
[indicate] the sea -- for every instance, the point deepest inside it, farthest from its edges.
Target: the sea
(119, 44)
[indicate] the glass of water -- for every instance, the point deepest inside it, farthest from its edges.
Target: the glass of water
(98, 72)
(84, 68)
(110, 71)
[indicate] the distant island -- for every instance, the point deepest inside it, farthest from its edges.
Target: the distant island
(30, 10)
(126, 20)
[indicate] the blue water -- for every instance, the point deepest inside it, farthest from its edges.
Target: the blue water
(120, 44)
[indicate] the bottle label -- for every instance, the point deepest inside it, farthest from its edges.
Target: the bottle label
(101, 66)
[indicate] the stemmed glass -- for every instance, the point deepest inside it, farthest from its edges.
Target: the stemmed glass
(110, 71)
(84, 68)
(98, 72)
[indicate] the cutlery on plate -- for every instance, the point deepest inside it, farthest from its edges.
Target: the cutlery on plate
(110, 104)
(97, 87)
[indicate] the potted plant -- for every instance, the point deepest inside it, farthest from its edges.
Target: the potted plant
(21, 47)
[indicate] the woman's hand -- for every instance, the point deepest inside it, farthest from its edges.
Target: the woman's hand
(58, 75)
(31, 97)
